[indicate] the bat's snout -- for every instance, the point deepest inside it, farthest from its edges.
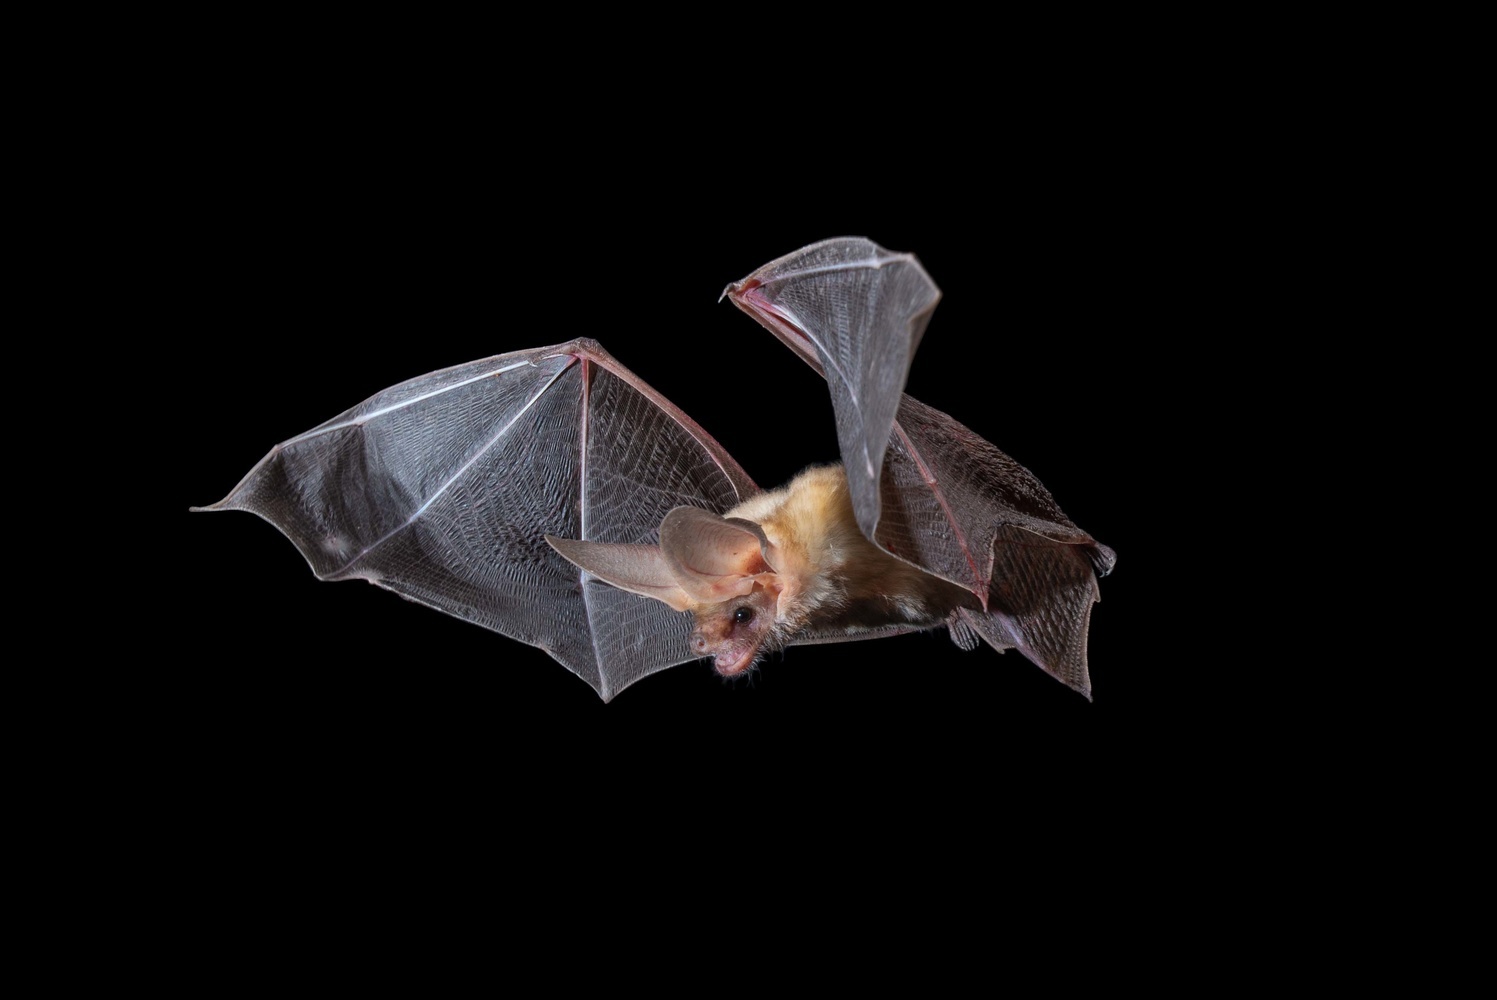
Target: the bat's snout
(728, 659)
(729, 667)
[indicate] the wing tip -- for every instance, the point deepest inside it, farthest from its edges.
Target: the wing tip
(229, 502)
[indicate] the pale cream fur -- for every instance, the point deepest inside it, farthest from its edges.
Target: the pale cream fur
(822, 558)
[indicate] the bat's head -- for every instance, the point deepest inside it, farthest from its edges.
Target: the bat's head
(736, 631)
(722, 570)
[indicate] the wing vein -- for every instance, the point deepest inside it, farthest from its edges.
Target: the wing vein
(366, 417)
(981, 590)
(416, 514)
(876, 263)
(604, 690)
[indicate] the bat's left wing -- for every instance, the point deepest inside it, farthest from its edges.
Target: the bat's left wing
(444, 487)
(925, 488)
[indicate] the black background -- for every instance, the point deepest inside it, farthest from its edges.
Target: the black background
(328, 252)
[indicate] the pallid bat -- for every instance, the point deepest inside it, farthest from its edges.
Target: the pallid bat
(554, 497)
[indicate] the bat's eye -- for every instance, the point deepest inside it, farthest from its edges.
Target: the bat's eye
(743, 615)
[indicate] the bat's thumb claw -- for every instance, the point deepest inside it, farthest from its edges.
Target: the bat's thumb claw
(738, 287)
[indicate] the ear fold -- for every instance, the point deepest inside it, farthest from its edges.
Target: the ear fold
(639, 569)
(712, 558)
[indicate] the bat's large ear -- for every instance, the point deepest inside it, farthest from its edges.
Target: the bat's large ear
(639, 569)
(714, 558)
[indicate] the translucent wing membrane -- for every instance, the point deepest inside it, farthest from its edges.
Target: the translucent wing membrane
(925, 488)
(420, 490)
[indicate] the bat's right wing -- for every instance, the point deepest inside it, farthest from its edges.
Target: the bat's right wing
(443, 489)
(925, 488)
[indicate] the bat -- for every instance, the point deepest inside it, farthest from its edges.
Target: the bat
(552, 496)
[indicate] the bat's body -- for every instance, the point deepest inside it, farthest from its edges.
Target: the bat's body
(841, 582)
(782, 565)
(553, 496)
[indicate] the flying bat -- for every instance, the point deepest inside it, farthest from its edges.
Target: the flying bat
(554, 497)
